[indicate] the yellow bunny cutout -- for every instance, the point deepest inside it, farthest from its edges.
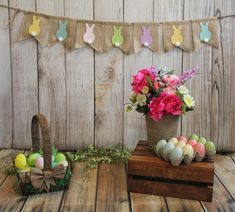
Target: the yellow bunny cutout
(34, 28)
(177, 37)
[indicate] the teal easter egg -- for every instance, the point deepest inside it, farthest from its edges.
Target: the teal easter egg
(60, 157)
(32, 158)
(54, 164)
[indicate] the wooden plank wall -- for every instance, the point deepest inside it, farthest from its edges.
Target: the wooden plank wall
(83, 93)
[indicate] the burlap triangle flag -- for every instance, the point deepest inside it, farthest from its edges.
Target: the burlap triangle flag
(117, 35)
(178, 34)
(42, 28)
(205, 31)
(91, 34)
(146, 35)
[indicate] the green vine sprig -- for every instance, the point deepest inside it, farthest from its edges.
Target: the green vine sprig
(95, 155)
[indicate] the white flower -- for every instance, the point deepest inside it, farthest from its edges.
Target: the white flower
(183, 90)
(189, 101)
(141, 99)
(133, 97)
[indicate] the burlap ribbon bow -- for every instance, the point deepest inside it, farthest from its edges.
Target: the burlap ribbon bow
(42, 180)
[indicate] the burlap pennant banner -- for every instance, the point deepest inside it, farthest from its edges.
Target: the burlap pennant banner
(205, 32)
(178, 34)
(128, 37)
(146, 35)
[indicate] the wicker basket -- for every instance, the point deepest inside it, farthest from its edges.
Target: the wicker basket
(48, 175)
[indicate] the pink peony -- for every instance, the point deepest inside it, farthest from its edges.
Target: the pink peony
(164, 104)
(139, 80)
(157, 107)
(171, 80)
(172, 104)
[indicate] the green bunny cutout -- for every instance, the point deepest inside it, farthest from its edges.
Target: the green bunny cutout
(61, 33)
(117, 38)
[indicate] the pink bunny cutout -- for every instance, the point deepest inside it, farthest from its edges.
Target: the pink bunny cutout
(146, 38)
(89, 36)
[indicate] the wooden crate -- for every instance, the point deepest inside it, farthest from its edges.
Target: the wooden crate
(149, 174)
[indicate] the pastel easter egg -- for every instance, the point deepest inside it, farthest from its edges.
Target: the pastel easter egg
(182, 138)
(54, 164)
(202, 140)
(39, 163)
(210, 146)
(20, 161)
(176, 156)
(64, 163)
(60, 157)
(199, 148)
(192, 142)
(173, 140)
(193, 137)
(167, 149)
(181, 144)
(32, 158)
(188, 153)
(188, 150)
(160, 144)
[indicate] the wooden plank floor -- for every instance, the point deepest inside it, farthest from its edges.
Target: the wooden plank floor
(104, 189)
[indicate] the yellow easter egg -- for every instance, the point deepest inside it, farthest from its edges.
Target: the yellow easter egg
(20, 161)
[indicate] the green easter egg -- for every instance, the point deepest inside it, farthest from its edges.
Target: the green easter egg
(32, 158)
(210, 146)
(60, 157)
(20, 161)
(193, 137)
(202, 140)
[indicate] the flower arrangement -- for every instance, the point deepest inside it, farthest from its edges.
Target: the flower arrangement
(157, 92)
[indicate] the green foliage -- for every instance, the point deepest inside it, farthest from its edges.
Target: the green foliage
(95, 155)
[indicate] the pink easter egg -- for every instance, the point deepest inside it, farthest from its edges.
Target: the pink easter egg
(39, 163)
(192, 142)
(200, 148)
(182, 138)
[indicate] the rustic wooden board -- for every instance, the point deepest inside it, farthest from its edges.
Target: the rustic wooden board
(198, 121)
(175, 204)
(145, 202)
(225, 169)
(222, 80)
(44, 202)
(222, 200)
(11, 198)
(165, 11)
(134, 123)
(80, 84)
(5, 80)
(112, 189)
(109, 82)
(171, 189)
(24, 79)
(51, 78)
(81, 195)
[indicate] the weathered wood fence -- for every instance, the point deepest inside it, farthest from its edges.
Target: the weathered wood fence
(83, 93)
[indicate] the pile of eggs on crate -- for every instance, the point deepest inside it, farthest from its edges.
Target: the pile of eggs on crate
(185, 149)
